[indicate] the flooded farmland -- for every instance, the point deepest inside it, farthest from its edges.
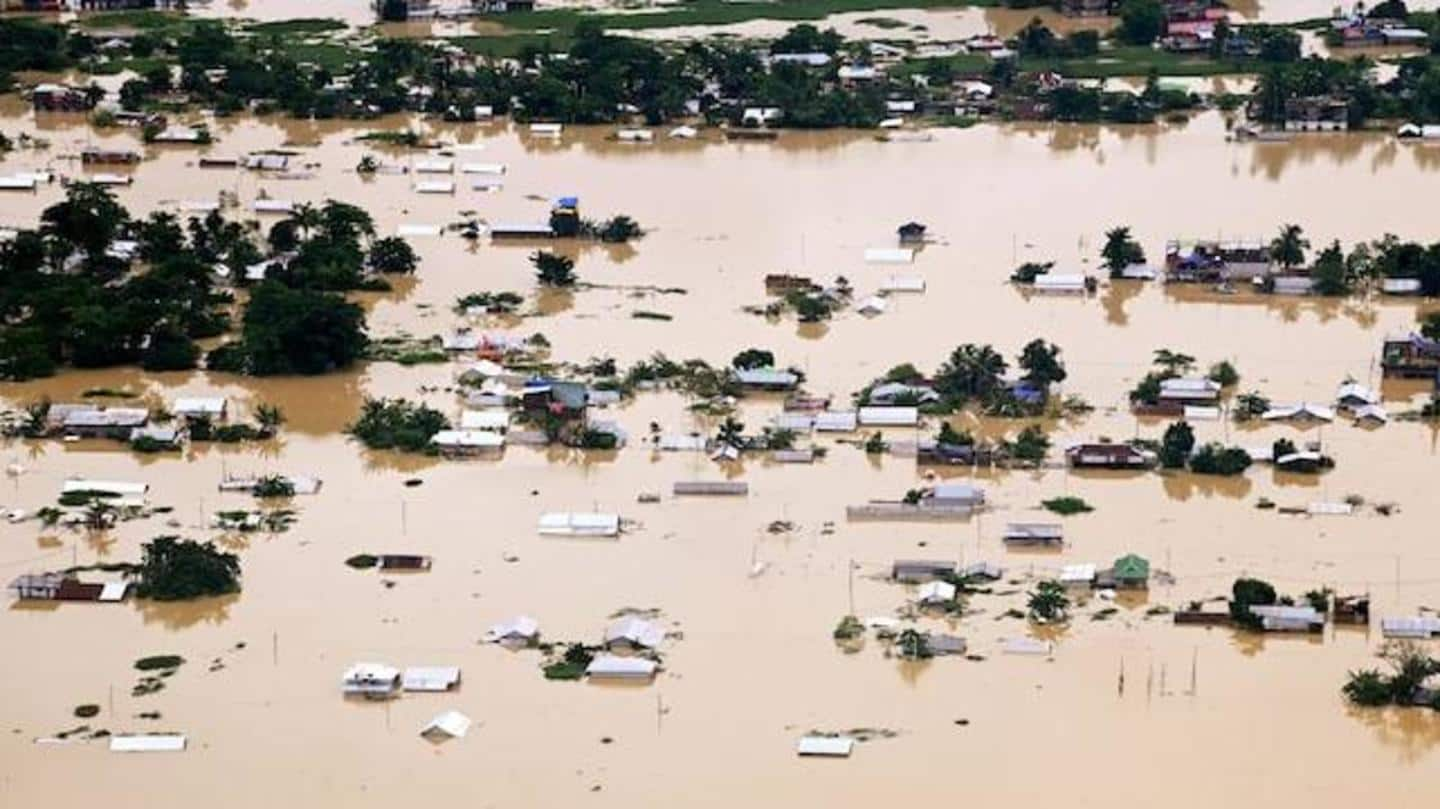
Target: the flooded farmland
(751, 664)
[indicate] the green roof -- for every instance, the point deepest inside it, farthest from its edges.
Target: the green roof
(1131, 566)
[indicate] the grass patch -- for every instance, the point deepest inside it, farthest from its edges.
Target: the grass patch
(298, 27)
(159, 662)
(145, 20)
(1066, 506)
(717, 12)
(108, 393)
(363, 561)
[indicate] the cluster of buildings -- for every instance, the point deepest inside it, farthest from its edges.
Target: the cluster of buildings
(424, 9)
(1359, 29)
(85, 420)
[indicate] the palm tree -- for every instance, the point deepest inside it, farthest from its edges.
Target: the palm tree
(731, 432)
(306, 218)
(971, 371)
(1288, 248)
(269, 417)
(99, 515)
(913, 645)
(1173, 361)
(1048, 602)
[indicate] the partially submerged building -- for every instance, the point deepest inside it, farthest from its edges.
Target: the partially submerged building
(1108, 456)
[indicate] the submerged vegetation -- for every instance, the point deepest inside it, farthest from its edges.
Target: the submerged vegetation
(175, 569)
(397, 424)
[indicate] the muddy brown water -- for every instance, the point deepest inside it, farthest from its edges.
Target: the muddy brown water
(756, 666)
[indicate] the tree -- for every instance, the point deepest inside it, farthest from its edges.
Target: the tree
(294, 331)
(1288, 248)
(1176, 445)
(392, 254)
(1141, 21)
(752, 358)
(1430, 326)
(1245, 593)
(1030, 446)
(948, 435)
(269, 417)
(175, 569)
(1048, 602)
(619, 229)
(913, 645)
(367, 165)
(553, 269)
(394, 11)
(1223, 373)
(1173, 362)
(1216, 459)
(1041, 363)
(731, 433)
(1331, 272)
(972, 371)
(89, 218)
(1121, 251)
(397, 424)
(1250, 405)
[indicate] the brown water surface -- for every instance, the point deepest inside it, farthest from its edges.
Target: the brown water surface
(1204, 716)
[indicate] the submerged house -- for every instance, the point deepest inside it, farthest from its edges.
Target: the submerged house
(1213, 261)
(770, 379)
(1317, 114)
(1181, 392)
(1410, 357)
(102, 422)
(371, 680)
(1021, 533)
(633, 633)
(1276, 618)
(915, 571)
(64, 587)
(1130, 572)
(61, 98)
(565, 399)
(1108, 456)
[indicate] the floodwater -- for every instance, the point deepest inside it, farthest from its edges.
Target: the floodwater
(1199, 711)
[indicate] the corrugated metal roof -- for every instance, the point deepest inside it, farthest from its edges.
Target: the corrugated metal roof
(829, 746)
(148, 743)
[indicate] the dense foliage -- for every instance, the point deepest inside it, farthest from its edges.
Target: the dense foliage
(175, 569)
(397, 424)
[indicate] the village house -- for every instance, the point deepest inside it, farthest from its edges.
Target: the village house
(1317, 114)
(953, 495)
(1130, 572)
(462, 443)
(564, 399)
(900, 393)
(915, 571)
(1213, 261)
(213, 408)
(936, 453)
(1087, 8)
(1181, 392)
(1047, 534)
(371, 681)
(516, 632)
(97, 156)
(1276, 618)
(85, 421)
(61, 98)
(630, 633)
(1410, 357)
(1108, 456)
(768, 379)
(64, 587)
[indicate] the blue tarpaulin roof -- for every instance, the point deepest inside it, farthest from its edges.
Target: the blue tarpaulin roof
(567, 202)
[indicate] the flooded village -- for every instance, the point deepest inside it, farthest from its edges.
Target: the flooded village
(476, 441)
